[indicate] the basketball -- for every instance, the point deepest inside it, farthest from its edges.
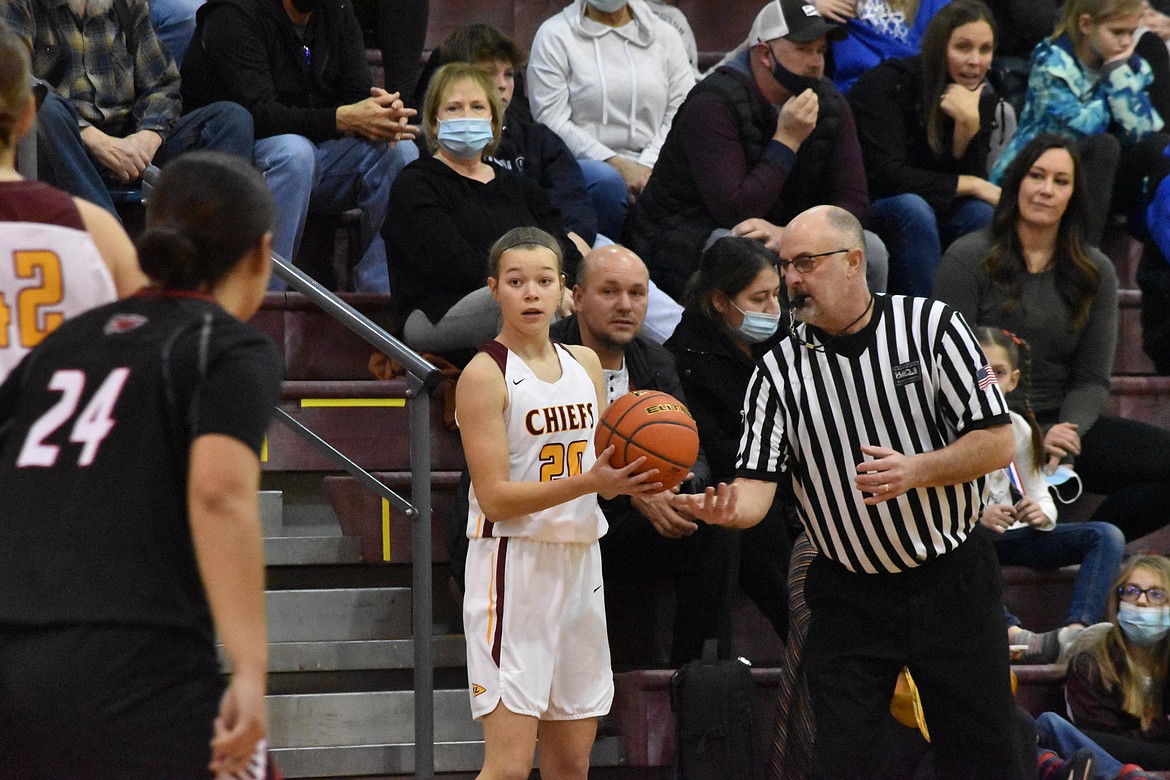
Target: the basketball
(653, 424)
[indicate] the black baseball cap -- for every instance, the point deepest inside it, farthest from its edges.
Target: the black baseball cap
(795, 20)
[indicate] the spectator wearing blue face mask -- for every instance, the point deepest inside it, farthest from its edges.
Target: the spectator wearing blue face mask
(732, 318)
(448, 209)
(1116, 688)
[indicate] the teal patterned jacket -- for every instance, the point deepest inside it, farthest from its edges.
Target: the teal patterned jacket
(1064, 98)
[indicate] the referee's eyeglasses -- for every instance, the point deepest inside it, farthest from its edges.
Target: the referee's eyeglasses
(805, 264)
(1131, 593)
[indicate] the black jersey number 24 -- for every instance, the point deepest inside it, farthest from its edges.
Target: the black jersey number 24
(90, 427)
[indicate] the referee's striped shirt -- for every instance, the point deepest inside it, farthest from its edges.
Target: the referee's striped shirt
(914, 380)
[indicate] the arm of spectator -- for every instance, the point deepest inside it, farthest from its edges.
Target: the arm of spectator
(1127, 91)
(20, 18)
(380, 117)
(1092, 361)
(659, 509)
(1050, 93)
(680, 78)
(885, 135)
(977, 187)
(962, 105)
(157, 101)
(635, 175)
(354, 80)
(848, 189)
(731, 190)
(548, 94)
(561, 177)
(225, 531)
(236, 47)
(960, 277)
(837, 10)
(547, 217)
(1151, 47)
(761, 230)
(115, 247)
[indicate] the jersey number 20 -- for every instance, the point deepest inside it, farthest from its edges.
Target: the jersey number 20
(90, 428)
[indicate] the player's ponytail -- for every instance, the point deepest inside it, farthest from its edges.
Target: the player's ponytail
(169, 258)
(207, 212)
(15, 86)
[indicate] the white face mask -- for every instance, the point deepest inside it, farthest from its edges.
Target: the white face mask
(607, 6)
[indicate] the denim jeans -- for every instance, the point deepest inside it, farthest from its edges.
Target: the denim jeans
(328, 178)
(174, 23)
(1063, 738)
(63, 161)
(1097, 547)
(607, 190)
(916, 238)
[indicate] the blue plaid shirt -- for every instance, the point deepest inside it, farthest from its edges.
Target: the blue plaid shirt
(88, 63)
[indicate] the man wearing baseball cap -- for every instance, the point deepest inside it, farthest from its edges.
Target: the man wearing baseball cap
(762, 138)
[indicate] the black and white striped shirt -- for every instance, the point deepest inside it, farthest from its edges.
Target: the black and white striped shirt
(914, 380)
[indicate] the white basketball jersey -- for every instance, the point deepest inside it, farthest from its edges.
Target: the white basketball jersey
(48, 273)
(550, 429)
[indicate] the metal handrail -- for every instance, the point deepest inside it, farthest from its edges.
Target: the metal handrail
(421, 377)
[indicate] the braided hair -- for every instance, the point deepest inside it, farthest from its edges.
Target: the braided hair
(1020, 357)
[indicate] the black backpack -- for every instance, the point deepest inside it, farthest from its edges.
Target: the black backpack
(716, 733)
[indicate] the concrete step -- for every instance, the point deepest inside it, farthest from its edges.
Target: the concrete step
(448, 651)
(343, 614)
(271, 512)
(312, 550)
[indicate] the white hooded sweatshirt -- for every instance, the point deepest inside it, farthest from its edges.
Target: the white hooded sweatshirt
(608, 90)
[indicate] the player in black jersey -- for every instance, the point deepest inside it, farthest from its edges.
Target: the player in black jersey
(129, 525)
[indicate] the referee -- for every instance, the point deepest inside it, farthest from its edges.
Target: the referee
(886, 416)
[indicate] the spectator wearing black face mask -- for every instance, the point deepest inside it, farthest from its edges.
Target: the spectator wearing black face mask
(762, 138)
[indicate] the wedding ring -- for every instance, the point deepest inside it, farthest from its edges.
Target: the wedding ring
(886, 487)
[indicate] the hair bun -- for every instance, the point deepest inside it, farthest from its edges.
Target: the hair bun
(169, 257)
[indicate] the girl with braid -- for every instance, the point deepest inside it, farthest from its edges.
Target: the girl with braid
(1021, 512)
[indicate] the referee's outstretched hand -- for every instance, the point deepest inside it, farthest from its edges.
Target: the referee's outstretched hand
(715, 505)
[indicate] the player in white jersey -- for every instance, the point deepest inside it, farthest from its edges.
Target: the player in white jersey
(59, 255)
(534, 611)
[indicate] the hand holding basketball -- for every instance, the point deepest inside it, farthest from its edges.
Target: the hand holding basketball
(653, 425)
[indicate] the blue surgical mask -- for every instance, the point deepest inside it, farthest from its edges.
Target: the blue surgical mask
(465, 137)
(757, 326)
(1143, 626)
(1058, 477)
(607, 6)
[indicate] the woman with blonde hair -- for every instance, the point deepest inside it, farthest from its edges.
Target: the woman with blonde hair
(1116, 688)
(446, 211)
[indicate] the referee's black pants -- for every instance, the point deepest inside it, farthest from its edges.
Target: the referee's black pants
(944, 620)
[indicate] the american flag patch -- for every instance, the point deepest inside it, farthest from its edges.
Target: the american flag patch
(985, 377)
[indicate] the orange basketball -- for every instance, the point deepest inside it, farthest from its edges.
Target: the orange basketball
(653, 424)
